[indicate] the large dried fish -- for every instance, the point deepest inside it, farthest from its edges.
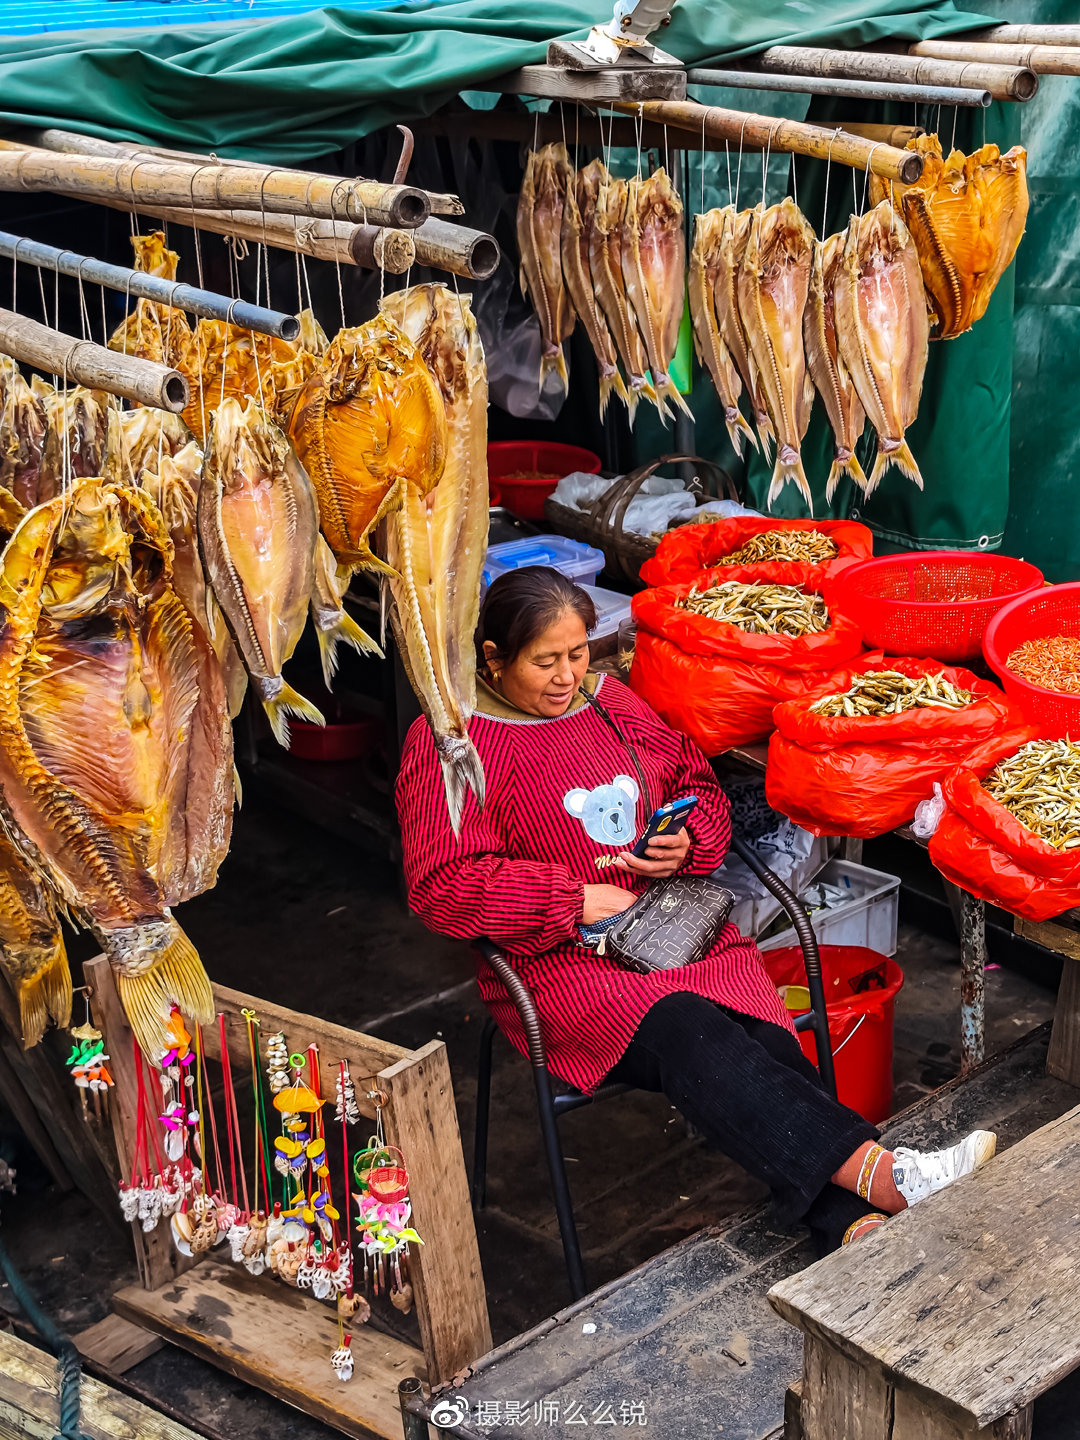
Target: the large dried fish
(368, 424)
(23, 423)
(709, 343)
(734, 234)
(606, 265)
(334, 626)
(966, 215)
(539, 230)
(82, 435)
(882, 331)
(32, 954)
(258, 524)
(578, 221)
(437, 541)
(115, 750)
(654, 268)
(153, 331)
(773, 283)
(150, 434)
(827, 369)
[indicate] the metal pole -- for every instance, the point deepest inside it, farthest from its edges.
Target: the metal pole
(856, 89)
(206, 303)
(414, 1425)
(972, 981)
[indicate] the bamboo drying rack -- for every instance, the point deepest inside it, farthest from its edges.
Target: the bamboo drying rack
(266, 1332)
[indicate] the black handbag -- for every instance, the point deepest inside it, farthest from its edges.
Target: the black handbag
(677, 919)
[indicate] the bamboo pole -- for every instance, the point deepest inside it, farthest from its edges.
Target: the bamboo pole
(1003, 82)
(144, 184)
(842, 87)
(1027, 34)
(206, 303)
(456, 248)
(1043, 59)
(69, 142)
(91, 365)
(786, 136)
(896, 135)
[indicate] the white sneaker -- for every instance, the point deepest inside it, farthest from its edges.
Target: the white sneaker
(919, 1173)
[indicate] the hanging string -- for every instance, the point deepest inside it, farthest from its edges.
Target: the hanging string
(639, 134)
(199, 1089)
(337, 257)
(955, 117)
(262, 1138)
(232, 1118)
(866, 174)
(794, 181)
(828, 171)
(342, 1072)
(738, 172)
(219, 1187)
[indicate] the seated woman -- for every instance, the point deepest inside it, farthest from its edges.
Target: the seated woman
(567, 753)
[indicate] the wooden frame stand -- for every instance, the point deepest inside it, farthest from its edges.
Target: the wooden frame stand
(264, 1331)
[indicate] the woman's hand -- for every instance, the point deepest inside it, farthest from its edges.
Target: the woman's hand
(665, 855)
(603, 901)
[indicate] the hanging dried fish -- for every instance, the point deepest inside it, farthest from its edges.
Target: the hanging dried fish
(889, 692)
(258, 524)
(966, 215)
(578, 221)
(883, 332)
(773, 285)
(708, 341)
(606, 265)
(539, 235)
(77, 437)
(437, 540)
(149, 434)
(1040, 785)
(827, 370)
(153, 331)
(734, 234)
(23, 423)
(334, 626)
(33, 959)
(760, 609)
(654, 270)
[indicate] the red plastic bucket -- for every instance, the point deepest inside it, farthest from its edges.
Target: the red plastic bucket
(860, 993)
(527, 471)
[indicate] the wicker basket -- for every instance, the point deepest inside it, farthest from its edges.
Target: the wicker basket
(601, 524)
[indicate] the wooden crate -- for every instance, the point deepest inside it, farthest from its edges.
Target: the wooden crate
(263, 1330)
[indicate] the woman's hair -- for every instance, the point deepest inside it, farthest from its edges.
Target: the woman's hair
(521, 604)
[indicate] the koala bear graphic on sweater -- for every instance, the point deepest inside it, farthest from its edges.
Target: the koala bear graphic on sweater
(608, 812)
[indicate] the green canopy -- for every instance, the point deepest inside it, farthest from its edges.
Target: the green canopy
(292, 89)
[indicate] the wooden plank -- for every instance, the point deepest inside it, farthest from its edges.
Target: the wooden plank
(421, 1119)
(280, 1340)
(158, 1259)
(912, 1420)
(793, 1428)
(29, 1402)
(972, 1296)
(115, 1345)
(1062, 939)
(1063, 1057)
(366, 1055)
(557, 82)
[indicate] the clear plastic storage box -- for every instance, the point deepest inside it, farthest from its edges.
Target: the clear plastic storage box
(577, 561)
(611, 610)
(868, 918)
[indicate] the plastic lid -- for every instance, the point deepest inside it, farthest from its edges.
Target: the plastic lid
(571, 558)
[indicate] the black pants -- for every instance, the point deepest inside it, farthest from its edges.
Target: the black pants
(747, 1087)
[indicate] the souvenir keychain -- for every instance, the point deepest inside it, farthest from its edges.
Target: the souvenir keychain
(87, 1061)
(384, 1212)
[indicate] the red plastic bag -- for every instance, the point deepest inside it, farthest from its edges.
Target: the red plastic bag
(684, 552)
(717, 683)
(983, 848)
(835, 775)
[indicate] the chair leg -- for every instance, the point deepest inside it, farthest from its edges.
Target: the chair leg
(483, 1111)
(564, 1206)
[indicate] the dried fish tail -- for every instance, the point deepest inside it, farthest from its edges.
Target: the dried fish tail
(156, 967)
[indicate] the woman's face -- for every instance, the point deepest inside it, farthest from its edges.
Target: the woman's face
(544, 677)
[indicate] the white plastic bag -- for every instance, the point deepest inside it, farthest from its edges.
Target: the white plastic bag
(928, 814)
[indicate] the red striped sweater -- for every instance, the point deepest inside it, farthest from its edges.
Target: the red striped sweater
(561, 792)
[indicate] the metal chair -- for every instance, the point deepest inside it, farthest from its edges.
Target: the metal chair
(551, 1105)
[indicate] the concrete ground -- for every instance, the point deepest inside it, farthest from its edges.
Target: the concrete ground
(313, 924)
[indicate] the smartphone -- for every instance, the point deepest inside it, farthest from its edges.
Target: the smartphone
(668, 820)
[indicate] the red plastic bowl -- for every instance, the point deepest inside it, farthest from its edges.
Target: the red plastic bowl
(343, 740)
(527, 471)
(934, 603)
(1052, 611)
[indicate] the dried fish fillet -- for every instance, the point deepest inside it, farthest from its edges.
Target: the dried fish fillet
(437, 541)
(883, 332)
(153, 331)
(33, 959)
(773, 285)
(579, 214)
(966, 215)
(77, 437)
(539, 233)
(150, 434)
(827, 370)
(258, 523)
(23, 423)
(708, 341)
(606, 266)
(734, 234)
(654, 269)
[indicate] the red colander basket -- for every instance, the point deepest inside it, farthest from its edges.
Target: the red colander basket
(1052, 611)
(932, 603)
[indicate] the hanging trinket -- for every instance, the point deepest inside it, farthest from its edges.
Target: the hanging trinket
(277, 1062)
(87, 1064)
(341, 1360)
(346, 1111)
(384, 1209)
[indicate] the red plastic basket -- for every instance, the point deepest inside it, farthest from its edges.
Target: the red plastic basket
(527, 471)
(1053, 611)
(934, 603)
